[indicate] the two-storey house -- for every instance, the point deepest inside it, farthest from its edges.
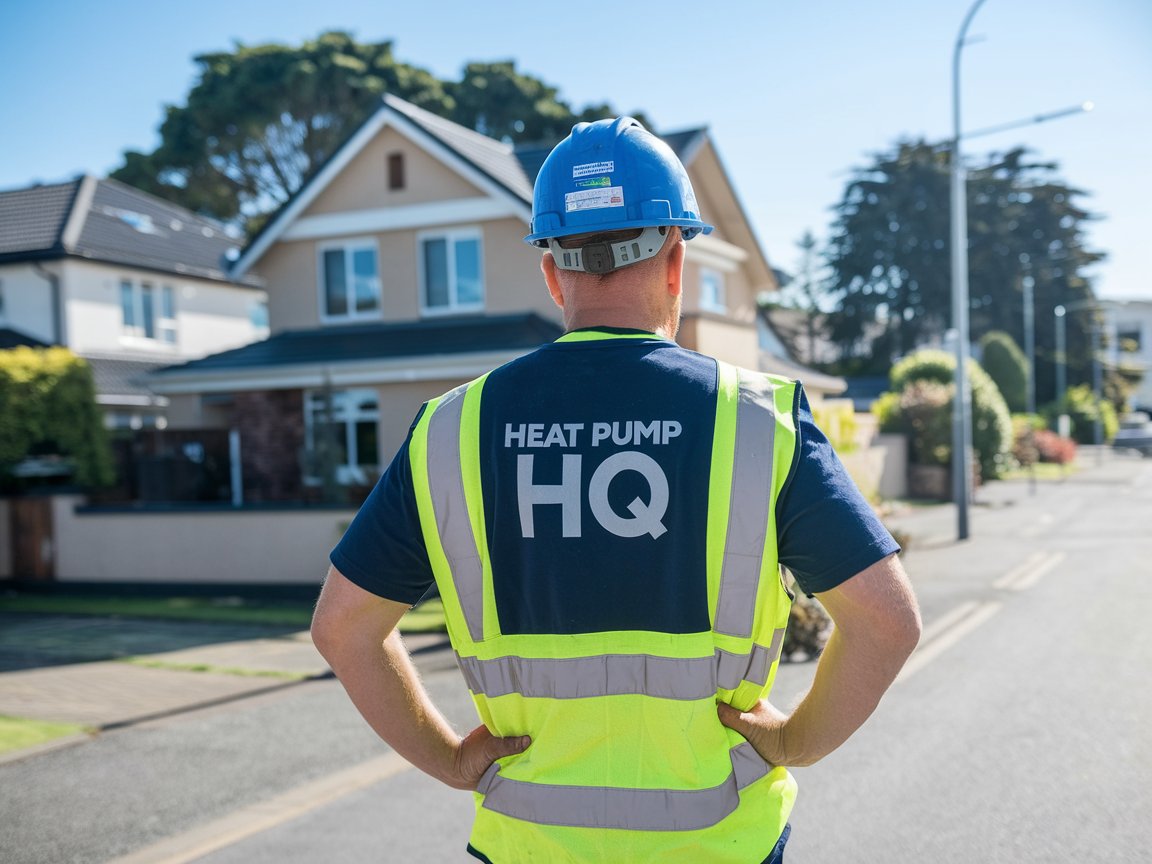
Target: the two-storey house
(399, 271)
(125, 280)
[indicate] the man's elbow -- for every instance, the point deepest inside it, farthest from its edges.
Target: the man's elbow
(905, 630)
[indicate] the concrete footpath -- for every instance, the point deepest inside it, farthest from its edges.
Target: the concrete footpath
(107, 673)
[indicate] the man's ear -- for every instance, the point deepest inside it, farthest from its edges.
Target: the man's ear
(548, 268)
(674, 274)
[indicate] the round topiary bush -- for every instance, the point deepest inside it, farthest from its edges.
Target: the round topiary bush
(991, 421)
(1006, 364)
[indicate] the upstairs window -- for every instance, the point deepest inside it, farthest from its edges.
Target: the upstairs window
(349, 281)
(258, 317)
(166, 322)
(712, 290)
(148, 313)
(451, 272)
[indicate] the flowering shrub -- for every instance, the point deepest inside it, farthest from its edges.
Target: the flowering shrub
(1054, 448)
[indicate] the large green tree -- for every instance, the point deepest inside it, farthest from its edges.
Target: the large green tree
(261, 119)
(890, 263)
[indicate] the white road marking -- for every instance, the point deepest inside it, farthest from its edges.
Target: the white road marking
(946, 632)
(1030, 572)
(228, 830)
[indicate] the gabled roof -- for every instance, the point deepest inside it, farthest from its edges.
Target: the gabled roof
(502, 170)
(105, 220)
(357, 343)
(121, 380)
(489, 164)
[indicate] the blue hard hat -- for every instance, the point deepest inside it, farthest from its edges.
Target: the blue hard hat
(612, 175)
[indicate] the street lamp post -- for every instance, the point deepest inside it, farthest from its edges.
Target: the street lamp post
(962, 401)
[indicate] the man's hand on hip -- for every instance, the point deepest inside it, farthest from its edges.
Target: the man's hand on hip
(762, 725)
(478, 750)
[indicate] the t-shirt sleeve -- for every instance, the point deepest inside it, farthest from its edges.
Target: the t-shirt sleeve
(826, 531)
(383, 549)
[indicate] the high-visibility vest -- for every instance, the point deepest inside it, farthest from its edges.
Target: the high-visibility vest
(628, 762)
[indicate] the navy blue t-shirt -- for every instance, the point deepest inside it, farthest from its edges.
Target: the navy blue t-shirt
(595, 463)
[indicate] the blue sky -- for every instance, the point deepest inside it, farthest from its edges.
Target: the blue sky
(795, 94)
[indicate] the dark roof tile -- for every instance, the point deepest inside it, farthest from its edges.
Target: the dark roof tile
(382, 341)
(32, 219)
(121, 225)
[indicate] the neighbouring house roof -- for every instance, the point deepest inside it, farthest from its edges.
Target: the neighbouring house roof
(791, 326)
(121, 381)
(865, 390)
(107, 221)
(812, 380)
(10, 338)
(501, 169)
(373, 349)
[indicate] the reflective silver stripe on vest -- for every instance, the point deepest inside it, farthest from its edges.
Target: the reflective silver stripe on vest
(631, 809)
(684, 679)
(446, 485)
(752, 667)
(748, 507)
(587, 677)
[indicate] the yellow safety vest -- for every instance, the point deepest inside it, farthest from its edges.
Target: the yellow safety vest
(628, 762)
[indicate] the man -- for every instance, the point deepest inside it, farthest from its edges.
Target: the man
(605, 520)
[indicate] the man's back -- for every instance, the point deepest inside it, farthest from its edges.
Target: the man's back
(619, 542)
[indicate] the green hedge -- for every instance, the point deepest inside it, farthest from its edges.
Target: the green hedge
(48, 408)
(930, 439)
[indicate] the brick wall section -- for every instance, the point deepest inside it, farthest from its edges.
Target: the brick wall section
(271, 424)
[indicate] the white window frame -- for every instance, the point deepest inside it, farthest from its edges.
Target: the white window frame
(450, 236)
(166, 329)
(349, 246)
(136, 333)
(719, 301)
(259, 306)
(346, 411)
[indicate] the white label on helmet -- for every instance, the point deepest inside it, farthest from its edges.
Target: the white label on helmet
(593, 168)
(594, 199)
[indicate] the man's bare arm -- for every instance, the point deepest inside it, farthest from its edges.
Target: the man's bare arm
(355, 631)
(877, 627)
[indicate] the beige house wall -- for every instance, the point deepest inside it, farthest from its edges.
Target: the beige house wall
(726, 340)
(242, 546)
(512, 280)
(363, 184)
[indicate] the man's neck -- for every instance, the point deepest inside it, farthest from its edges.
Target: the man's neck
(621, 319)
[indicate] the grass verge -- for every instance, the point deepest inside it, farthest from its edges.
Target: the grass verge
(17, 733)
(428, 617)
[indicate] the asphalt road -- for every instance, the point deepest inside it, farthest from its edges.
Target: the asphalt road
(1019, 732)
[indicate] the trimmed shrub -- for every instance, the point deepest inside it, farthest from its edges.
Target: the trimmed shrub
(1051, 447)
(1081, 406)
(48, 408)
(926, 408)
(1007, 366)
(837, 421)
(991, 422)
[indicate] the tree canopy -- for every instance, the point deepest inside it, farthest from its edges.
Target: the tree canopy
(889, 255)
(261, 119)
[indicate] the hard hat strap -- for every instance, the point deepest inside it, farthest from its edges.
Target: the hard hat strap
(600, 256)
